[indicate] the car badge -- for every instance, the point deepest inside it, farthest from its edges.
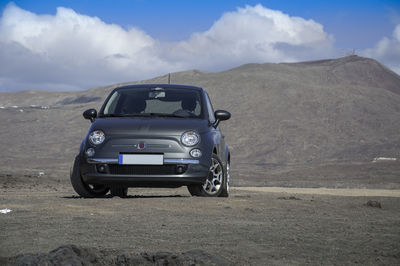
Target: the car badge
(141, 146)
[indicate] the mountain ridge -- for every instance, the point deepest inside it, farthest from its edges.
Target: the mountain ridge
(336, 110)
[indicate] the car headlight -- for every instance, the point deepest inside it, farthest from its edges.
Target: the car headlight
(97, 137)
(190, 138)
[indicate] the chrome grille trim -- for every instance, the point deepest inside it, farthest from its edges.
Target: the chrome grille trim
(166, 161)
(102, 160)
(125, 145)
(180, 161)
(160, 146)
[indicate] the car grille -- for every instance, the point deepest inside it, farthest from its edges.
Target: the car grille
(168, 169)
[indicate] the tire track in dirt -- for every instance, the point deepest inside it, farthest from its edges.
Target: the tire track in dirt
(346, 192)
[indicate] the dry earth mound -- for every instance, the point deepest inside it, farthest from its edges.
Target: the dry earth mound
(73, 255)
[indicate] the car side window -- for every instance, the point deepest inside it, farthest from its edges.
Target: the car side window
(111, 104)
(210, 109)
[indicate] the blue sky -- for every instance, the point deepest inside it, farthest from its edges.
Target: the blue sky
(355, 23)
(325, 29)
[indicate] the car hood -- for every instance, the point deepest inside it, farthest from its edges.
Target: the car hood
(148, 125)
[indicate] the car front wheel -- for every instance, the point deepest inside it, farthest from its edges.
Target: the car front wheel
(85, 190)
(216, 184)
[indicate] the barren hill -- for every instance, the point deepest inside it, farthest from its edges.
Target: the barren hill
(339, 110)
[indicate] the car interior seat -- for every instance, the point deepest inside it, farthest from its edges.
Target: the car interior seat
(189, 104)
(133, 105)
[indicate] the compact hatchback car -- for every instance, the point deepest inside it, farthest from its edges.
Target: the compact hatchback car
(153, 135)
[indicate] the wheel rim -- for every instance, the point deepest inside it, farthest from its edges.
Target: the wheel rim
(96, 188)
(215, 177)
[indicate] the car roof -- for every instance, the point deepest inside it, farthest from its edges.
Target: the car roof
(155, 85)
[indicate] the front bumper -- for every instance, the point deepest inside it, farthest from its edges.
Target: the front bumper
(166, 175)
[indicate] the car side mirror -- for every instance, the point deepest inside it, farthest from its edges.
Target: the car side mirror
(221, 115)
(90, 114)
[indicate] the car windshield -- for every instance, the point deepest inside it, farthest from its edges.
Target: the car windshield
(158, 102)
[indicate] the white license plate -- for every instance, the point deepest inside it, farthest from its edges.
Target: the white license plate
(151, 159)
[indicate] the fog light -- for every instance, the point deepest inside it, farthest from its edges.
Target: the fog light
(101, 168)
(180, 169)
(89, 152)
(195, 153)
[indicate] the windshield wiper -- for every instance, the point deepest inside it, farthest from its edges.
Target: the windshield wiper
(125, 115)
(143, 115)
(166, 115)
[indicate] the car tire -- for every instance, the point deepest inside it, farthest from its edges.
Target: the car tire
(225, 189)
(117, 191)
(85, 190)
(216, 182)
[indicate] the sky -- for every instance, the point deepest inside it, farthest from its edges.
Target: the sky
(72, 45)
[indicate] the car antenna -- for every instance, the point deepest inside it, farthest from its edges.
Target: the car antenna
(169, 78)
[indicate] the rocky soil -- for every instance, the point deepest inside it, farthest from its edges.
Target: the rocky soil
(50, 225)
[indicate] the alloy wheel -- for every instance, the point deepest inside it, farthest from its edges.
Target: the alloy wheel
(215, 178)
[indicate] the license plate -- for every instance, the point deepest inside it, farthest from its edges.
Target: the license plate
(148, 159)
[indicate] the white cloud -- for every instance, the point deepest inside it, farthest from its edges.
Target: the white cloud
(255, 34)
(387, 50)
(70, 50)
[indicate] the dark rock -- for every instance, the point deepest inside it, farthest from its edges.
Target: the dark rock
(374, 203)
(289, 198)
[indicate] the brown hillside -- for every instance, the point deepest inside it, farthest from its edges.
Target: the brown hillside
(345, 109)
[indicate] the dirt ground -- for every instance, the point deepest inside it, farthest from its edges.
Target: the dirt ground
(254, 226)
